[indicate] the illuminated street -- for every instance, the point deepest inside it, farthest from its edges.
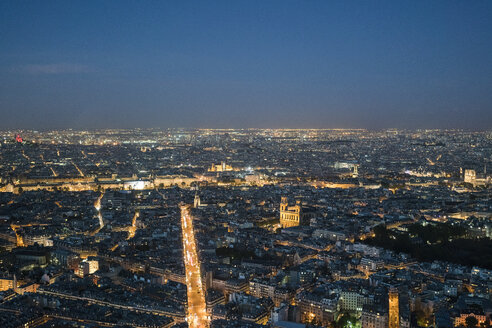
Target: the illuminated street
(133, 228)
(197, 314)
(97, 206)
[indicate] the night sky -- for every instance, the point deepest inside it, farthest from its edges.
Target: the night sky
(237, 64)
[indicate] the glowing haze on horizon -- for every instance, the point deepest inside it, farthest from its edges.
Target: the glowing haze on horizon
(221, 64)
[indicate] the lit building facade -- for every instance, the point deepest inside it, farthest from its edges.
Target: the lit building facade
(7, 283)
(374, 318)
(87, 267)
(222, 167)
(318, 310)
(470, 176)
(461, 319)
(293, 216)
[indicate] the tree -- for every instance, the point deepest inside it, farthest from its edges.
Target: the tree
(346, 321)
(471, 321)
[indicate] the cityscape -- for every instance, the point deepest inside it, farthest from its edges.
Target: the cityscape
(245, 164)
(245, 228)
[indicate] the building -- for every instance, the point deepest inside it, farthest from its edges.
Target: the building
(461, 319)
(222, 167)
(255, 310)
(370, 264)
(196, 201)
(352, 301)
(8, 283)
(87, 267)
(261, 289)
(213, 298)
(374, 317)
(33, 255)
(470, 176)
(317, 309)
(293, 216)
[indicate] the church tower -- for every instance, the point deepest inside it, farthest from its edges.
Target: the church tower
(394, 309)
(283, 203)
(196, 202)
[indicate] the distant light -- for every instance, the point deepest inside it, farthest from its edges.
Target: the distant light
(136, 185)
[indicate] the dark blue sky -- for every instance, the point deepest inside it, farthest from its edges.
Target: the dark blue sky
(321, 64)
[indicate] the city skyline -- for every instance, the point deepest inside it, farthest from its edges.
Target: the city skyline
(235, 228)
(250, 64)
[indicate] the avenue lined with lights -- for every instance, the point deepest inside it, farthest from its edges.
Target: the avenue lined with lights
(197, 314)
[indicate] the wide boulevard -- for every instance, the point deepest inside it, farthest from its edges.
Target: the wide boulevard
(197, 313)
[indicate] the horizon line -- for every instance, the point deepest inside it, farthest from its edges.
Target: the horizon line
(34, 130)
